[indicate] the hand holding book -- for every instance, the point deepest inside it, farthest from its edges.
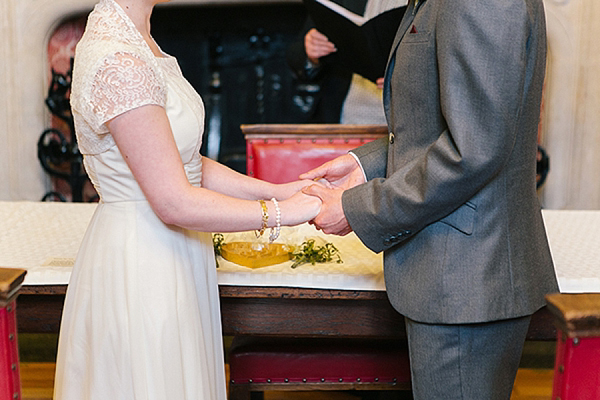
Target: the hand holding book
(317, 45)
(363, 46)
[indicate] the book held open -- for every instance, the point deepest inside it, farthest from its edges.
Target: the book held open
(363, 45)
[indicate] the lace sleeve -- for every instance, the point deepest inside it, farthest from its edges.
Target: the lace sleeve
(123, 82)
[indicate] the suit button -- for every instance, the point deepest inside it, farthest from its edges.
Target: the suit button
(391, 137)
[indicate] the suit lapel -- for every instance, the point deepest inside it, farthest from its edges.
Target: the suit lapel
(409, 17)
(407, 21)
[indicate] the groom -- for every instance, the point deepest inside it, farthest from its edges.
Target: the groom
(450, 197)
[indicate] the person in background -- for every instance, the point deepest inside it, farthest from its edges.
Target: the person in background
(141, 318)
(450, 196)
(344, 97)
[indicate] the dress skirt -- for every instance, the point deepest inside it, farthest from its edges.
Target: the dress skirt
(141, 317)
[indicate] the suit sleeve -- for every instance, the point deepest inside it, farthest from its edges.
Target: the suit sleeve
(480, 53)
(373, 158)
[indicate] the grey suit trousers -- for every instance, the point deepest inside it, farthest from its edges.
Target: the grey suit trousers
(465, 362)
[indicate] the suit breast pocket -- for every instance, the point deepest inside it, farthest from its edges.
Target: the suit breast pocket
(416, 37)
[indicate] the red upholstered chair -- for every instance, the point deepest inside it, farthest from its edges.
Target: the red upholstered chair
(279, 153)
(10, 383)
(292, 364)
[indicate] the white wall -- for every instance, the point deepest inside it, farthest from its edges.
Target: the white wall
(571, 118)
(26, 26)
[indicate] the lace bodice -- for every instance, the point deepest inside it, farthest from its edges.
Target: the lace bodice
(115, 71)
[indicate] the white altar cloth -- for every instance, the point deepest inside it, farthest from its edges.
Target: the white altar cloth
(43, 238)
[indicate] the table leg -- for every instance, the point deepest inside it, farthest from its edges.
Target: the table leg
(10, 385)
(577, 368)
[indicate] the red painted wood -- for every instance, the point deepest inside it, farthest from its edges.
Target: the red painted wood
(577, 368)
(10, 385)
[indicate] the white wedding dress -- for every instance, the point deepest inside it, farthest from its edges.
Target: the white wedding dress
(141, 317)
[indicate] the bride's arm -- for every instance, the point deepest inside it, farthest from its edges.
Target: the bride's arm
(244, 186)
(144, 138)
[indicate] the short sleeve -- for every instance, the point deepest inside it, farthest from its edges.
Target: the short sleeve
(123, 82)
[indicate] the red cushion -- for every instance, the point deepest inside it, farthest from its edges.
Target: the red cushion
(318, 360)
(283, 160)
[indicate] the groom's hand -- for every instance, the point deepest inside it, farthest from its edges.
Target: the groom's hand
(343, 172)
(331, 218)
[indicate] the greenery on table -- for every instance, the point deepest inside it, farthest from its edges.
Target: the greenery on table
(218, 240)
(309, 252)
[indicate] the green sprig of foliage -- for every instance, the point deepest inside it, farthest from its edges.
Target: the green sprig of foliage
(218, 240)
(309, 252)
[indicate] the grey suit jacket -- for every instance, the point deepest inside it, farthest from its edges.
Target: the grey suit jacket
(451, 196)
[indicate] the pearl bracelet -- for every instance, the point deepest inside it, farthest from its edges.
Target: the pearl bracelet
(277, 229)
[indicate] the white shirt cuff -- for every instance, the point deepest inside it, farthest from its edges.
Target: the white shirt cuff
(359, 164)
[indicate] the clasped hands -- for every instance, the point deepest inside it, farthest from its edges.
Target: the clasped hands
(334, 177)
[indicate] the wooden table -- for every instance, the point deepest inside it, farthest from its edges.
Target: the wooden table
(274, 311)
(254, 306)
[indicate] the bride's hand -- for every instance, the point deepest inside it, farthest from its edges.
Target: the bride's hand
(299, 208)
(286, 190)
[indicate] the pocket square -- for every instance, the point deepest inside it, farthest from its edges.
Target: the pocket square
(413, 30)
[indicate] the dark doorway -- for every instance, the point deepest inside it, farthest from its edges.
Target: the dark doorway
(234, 56)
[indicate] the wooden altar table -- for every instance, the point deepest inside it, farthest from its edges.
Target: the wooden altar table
(274, 311)
(346, 300)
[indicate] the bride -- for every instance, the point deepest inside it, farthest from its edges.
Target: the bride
(141, 317)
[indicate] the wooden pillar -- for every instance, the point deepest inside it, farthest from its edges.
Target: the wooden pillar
(10, 383)
(577, 366)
